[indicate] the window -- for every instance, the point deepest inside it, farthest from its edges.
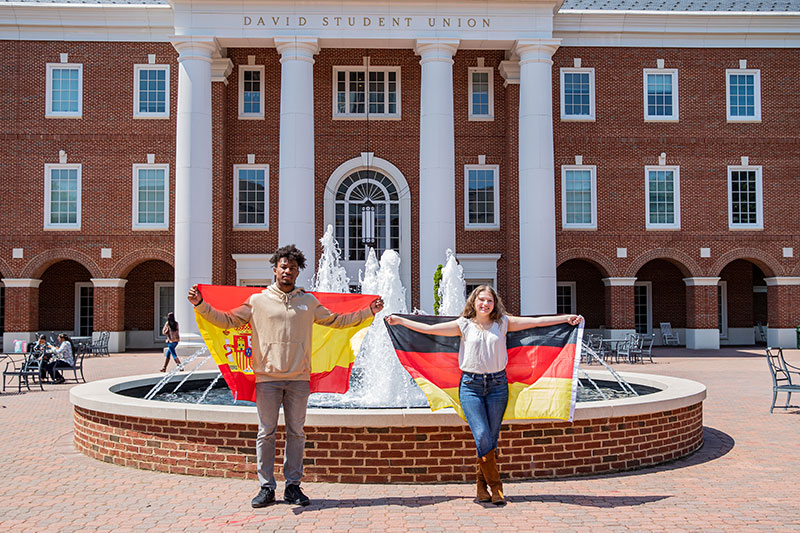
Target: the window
(472, 284)
(62, 196)
(481, 93)
(579, 197)
(251, 92)
(722, 309)
(150, 196)
(743, 91)
(164, 304)
(251, 206)
(661, 94)
(744, 198)
(565, 298)
(662, 197)
(352, 193)
(643, 307)
(349, 92)
(64, 90)
(84, 309)
(577, 94)
(481, 197)
(151, 91)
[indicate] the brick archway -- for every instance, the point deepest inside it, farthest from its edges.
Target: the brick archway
(5, 270)
(763, 260)
(682, 261)
(600, 261)
(40, 263)
(130, 261)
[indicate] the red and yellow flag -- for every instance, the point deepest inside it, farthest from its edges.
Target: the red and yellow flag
(333, 350)
(542, 368)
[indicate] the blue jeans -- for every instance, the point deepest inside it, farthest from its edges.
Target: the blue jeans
(171, 350)
(484, 398)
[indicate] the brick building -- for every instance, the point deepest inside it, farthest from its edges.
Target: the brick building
(635, 164)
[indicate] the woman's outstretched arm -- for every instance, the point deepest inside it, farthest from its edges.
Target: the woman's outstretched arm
(516, 323)
(445, 329)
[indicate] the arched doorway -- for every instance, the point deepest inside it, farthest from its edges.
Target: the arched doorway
(660, 296)
(580, 289)
(149, 296)
(742, 303)
(66, 299)
(384, 185)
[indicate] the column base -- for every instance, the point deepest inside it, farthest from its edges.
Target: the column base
(618, 333)
(776, 337)
(702, 339)
(10, 336)
(190, 343)
(116, 341)
(739, 336)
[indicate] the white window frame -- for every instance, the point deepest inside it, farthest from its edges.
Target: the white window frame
(723, 325)
(573, 297)
(49, 113)
(649, 289)
(496, 170)
(363, 116)
(137, 97)
(242, 114)
(578, 118)
(676, 170)
(756, 93)
(135, 224)
(759, 225)
(159, 320)
(662, 118)
(78, 286)
(490, 115)
(593, 170)
(243, 226)
(48, 168)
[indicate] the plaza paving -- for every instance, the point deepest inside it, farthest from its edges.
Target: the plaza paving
(744, 478)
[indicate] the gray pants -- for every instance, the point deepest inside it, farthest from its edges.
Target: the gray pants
(269, 397)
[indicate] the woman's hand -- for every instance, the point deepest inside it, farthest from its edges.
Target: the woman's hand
(392, 320)
(574, 320)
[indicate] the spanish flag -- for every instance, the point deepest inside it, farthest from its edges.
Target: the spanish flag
(542, 368)
(333, 350)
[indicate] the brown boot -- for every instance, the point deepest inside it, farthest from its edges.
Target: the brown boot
(488, 465)
(483, 489)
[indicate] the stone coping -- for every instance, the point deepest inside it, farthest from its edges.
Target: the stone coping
(102, 396)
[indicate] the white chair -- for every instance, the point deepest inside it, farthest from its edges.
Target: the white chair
(670, 338)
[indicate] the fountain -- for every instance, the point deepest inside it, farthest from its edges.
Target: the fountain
(375, 443)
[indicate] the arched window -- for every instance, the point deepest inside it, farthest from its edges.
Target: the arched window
(351, 195)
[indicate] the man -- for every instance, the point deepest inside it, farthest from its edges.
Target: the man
(281, 318)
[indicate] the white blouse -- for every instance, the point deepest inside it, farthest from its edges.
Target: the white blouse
(482, 351)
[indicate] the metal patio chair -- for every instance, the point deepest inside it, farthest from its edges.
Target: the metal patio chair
(670, 338)
(781, 374)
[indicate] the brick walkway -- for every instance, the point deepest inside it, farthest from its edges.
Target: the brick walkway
(745, 476)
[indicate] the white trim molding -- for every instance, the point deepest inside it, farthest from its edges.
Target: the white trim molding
(16, 283)
(479, 266)
(777, 281)
(619, 282)
(253, 269)
(701, 281)
(109, 282)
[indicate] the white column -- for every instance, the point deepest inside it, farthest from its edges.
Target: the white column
(437, 209)
(193, 157)
(537, 211)
(296, 201)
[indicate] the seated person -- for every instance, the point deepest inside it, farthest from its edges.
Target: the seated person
(62, 357)
(40, 354)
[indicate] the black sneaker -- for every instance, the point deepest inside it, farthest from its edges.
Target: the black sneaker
(264, 497)
(293, 494)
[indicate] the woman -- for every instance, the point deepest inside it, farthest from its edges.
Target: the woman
(62, 357)
(39, 353)
(170, 329)
(482, 357)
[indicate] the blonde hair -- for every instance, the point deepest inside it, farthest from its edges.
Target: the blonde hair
(498, 311)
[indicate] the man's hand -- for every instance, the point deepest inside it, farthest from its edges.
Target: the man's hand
(376, 306)
(194, 296)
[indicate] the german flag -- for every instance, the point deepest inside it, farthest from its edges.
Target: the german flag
(542, 368)
(333, 350)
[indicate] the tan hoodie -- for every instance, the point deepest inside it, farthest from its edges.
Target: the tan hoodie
(281, 324)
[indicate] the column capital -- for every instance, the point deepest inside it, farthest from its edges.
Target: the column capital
(536, 50)
(297, 48)
(619, 282)
(509, 70)
(200, 47)
(701, 281)
(220, 69)
(436, 49)
(108, 282)
(777, 281)
(21, 282)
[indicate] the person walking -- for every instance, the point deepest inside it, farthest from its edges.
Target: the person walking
(172, 332)
(281, 317)
(482, 358)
